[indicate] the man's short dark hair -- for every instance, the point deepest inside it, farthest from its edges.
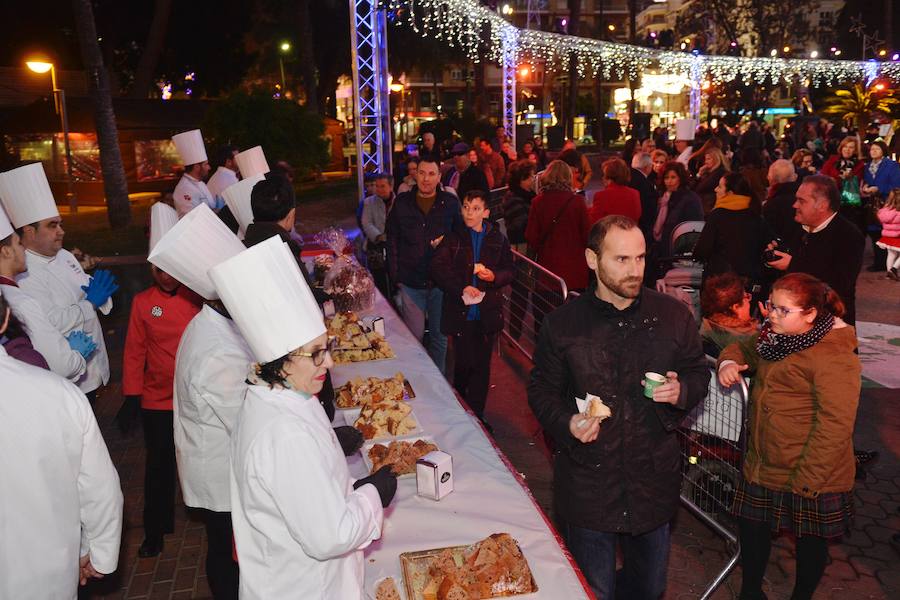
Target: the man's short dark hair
(603, 227)
(824, 187)
(224, 154)
(475, 194)
(384, 175)
(272, 198)
(429, 159)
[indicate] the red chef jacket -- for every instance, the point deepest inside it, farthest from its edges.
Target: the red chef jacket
(154, 330)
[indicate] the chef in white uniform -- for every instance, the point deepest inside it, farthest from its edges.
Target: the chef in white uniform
(59, 353)
(191, 192)
(54, 278)
(211, 366)
(253, 166)
(227, 172)
(300, 521)
(685, 130)
(61, 504)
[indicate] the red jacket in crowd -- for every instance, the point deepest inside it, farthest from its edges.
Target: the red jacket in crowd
(154, 330)
(560, 247)
(616, 200)
(830, 169)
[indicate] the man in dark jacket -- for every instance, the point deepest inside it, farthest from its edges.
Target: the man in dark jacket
(828, 245)
(473, 262)
(641, 168)
(619, 480)
(778, 211)
(415, 226)
(464, 176)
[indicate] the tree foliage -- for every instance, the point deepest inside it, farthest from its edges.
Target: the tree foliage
(286, 130)
(858, 104)
(758, 26)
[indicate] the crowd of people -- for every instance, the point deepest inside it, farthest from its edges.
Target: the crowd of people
(234, 393)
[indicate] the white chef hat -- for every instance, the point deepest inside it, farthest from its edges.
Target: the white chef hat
(237, 197)
(251, 162)
(6, 228)
(162, 218)
(197, 242)
(190, 146)
(269, 300)
(685, 129)
(26, 195)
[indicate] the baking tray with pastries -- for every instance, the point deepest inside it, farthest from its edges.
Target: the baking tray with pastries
(354, 341)
(492, 568)
(359, 391)
(400, 455)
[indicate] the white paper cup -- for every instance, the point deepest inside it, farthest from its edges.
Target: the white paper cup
(651, 382)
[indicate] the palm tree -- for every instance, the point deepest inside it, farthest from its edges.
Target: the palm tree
(115, 186)
(143, 76)
(858, 104)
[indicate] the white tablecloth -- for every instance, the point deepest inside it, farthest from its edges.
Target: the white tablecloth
(487, 496)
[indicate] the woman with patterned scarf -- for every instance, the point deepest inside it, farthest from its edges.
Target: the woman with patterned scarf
(799, 466)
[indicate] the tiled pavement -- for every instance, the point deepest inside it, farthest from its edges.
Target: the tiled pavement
(863, 565)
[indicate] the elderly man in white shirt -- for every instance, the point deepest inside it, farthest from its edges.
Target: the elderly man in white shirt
(190, 192)
(54, 278)
(211, 367)
(61, 505)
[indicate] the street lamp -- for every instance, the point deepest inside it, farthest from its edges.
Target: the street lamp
(285, 47)
(59, 103)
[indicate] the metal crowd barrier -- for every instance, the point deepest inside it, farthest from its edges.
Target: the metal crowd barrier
(713, 442)
(495, 202)
(534, 293)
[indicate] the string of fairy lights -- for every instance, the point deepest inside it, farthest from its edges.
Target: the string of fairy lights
(467, 24)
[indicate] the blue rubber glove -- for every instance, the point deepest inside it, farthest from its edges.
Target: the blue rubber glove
(220, 204)
(102, 286)
(81, 343)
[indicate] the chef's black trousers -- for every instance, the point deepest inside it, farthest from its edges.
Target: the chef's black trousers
(472, 365)
(221, 570)
(159, 473)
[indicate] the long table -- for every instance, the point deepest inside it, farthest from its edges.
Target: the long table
(488, 497)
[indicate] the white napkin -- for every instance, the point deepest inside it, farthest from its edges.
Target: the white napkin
(469, 300)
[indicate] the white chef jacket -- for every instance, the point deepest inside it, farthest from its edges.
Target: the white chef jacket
(190, 193)
(45, 338)
(685, 157)
(55, 283)
(211, 368)
(221, 180)
(60, 496)
(299, 525)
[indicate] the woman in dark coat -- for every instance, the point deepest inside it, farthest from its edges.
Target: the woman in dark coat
(677, 204)
(735, 235)
(517, 202)
(715, 165)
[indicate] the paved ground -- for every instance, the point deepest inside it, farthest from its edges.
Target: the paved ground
(863, 565)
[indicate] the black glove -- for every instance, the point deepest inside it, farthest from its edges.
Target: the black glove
(349, 438)
(384, 481)
(129, 411)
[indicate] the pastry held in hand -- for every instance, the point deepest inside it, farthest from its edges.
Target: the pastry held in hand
(592, 406)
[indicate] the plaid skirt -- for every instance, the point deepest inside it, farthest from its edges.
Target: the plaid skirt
(827, 515)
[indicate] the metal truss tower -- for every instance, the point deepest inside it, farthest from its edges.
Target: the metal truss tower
(510, 42)
(371, 92)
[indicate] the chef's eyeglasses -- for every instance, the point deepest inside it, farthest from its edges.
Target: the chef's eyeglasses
(317, 356)
(781, 311)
